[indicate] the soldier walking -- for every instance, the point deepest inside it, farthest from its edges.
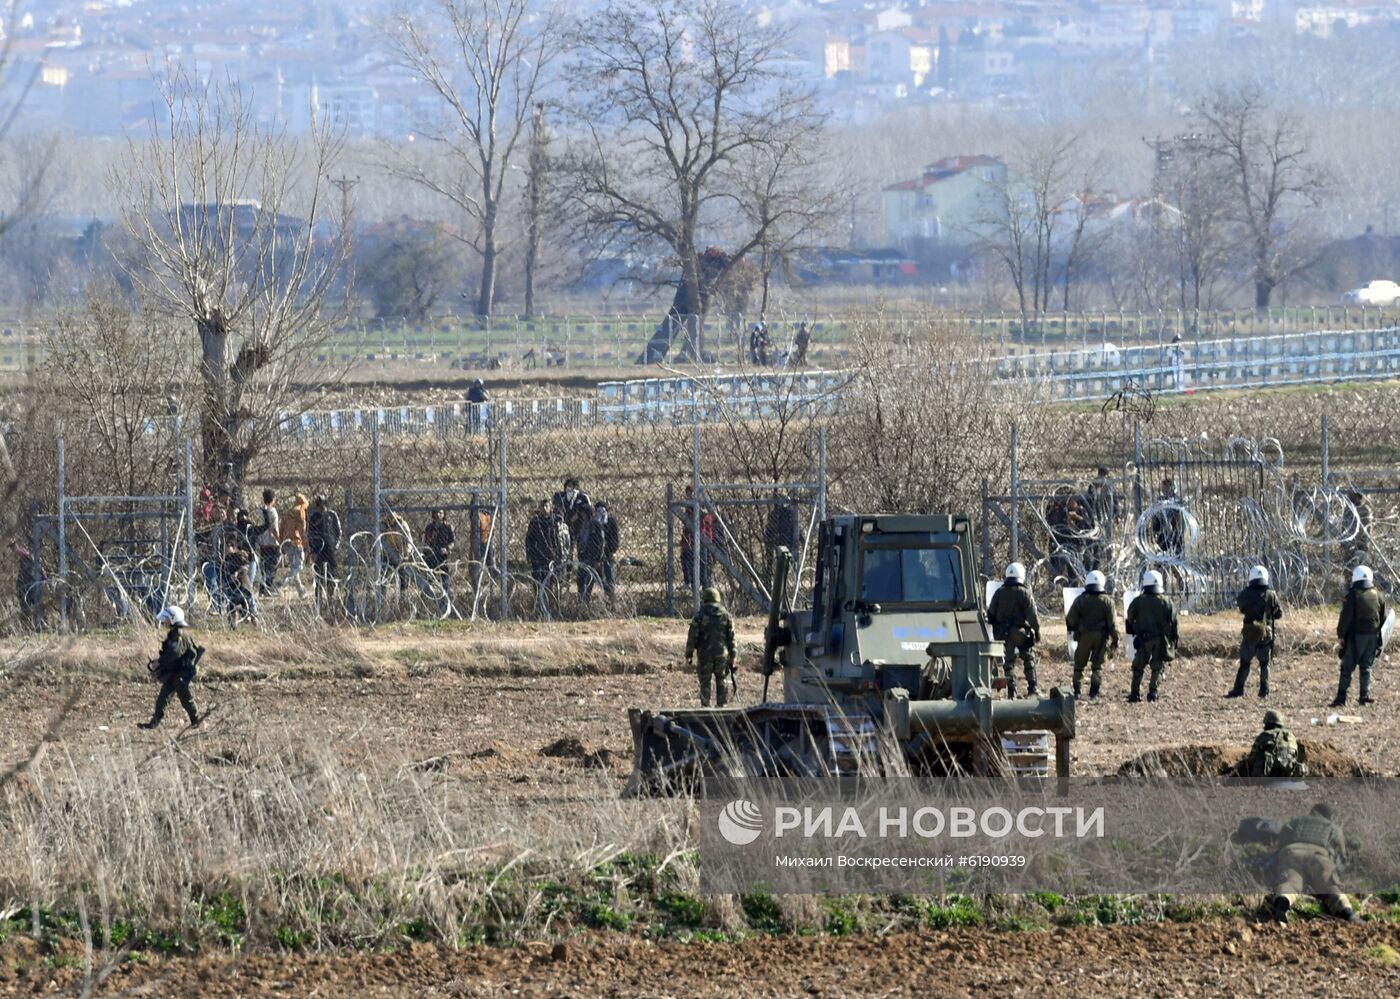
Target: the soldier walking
(1017, 626)
(1311, 849)
(1090, 620)
(711, 639)
(1261, 609)
(174, 667)
(1275, 754)
(1151, 620)
(1359, 634)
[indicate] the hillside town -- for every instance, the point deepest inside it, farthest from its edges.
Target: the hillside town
(91, 59)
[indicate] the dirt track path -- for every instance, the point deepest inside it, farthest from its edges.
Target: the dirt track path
(1213, 959)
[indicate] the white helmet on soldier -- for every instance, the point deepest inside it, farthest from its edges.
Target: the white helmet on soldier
(1259, 574)
(1016, 571)
(1095, 581)
(1362, 574)
(172, 615)
(1152, 580)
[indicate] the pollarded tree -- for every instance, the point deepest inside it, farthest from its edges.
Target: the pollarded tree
(683, 106)
(232, 229)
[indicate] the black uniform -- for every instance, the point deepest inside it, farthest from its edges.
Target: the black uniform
(175, 669)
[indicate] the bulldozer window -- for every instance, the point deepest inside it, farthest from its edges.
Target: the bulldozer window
(911, 575)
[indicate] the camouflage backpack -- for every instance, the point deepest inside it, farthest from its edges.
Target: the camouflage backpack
(1276, 755)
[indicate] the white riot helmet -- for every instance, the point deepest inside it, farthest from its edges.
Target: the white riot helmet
(1259, 574)
(172, 615)
(1016, 571)
(1362, 574)
(1152, 581)
(1095, 581)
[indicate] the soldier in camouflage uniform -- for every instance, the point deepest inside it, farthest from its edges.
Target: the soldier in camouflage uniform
(1151, 620)
(1311, 849)
(1090, 620)
(711, 639)
(1359, 634)
(1261, 609)
(174, 667)
(1016, 625)
(1275, 754)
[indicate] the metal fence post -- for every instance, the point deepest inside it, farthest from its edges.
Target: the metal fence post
(375, 485)
(695, 534)
(62, 538)
(191, 561)
(1327, 500)
(1015, 494)
(821, 473)
(671, 551)
(504, 518)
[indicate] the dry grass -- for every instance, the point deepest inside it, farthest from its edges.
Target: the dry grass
(295, 845)
(474, 648)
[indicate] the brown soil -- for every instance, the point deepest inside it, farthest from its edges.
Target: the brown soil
(539, 716)
(1323, 759)
(1321, 958)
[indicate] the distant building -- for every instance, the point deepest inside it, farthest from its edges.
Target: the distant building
(945, 204)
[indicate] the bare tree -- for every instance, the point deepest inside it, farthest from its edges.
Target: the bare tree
(680, 104)
(1026, 210)
(778, 202)
(536, 188)
(1274, 182)
(408, 269)
(106, 384)
(1194, 220)
(1082, 239)
(208, 199)
(486, 60)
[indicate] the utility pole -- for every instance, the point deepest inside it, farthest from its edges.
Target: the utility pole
(345, 185)
(534, 202)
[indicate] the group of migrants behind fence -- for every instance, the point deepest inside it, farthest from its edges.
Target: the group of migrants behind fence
(465, 521)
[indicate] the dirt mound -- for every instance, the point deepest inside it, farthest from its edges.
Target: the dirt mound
(1184, 761)
(601, 758)
(1324, 760)
(572, 748)
(569, 747)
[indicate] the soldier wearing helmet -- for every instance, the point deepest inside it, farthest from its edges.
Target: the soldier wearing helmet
(1261, 609)
(1017, 626)
(1312, 848)
(1275, 754)
(1151, 620)
(1359, 634)
(174, 667)
(711, 640)
(1090, 620)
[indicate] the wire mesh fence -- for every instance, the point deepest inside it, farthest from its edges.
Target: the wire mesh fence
(390, 520)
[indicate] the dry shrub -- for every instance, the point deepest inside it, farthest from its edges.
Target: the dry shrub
(924, 425)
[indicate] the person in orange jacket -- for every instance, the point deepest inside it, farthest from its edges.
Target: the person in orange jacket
(292, 533)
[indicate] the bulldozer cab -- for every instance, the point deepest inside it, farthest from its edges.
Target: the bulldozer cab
(893, 651)
(889, 589)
